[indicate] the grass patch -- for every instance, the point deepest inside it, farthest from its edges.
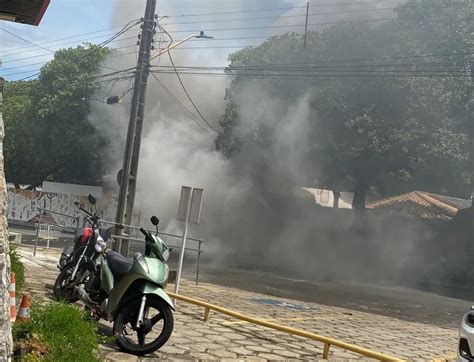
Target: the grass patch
(57, 332)
(17, 268)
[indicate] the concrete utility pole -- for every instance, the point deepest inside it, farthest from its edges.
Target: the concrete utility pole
(132, 146)
(306, 24)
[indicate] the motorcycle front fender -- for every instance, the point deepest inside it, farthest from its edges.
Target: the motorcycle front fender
(136, 289)
(150, 288)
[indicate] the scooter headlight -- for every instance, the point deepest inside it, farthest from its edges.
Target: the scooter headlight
(166, 254)
(100, 245)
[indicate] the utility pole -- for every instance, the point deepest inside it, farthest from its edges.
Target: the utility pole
(132, 146)
(306, 24)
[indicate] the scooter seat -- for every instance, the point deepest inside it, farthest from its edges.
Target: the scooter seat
(119, 264)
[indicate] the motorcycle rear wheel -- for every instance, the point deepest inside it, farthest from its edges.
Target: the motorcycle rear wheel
(148, 339)
(61, 290)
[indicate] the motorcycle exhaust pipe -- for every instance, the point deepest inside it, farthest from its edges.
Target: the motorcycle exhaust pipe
(83, 296)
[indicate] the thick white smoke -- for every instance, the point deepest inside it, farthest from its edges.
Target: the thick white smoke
(176, 152)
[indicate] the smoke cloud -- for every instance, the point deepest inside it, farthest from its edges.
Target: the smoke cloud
(254, 216)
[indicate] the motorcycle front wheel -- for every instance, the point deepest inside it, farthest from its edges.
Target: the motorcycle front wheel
(62, 290)
(154, 332)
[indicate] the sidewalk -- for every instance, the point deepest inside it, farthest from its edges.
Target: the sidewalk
(223, 337)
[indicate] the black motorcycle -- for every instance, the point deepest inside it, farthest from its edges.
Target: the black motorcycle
(77, 264)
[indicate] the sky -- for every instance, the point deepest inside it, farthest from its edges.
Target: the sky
(93, 20)
(70, 18)
(63, 18)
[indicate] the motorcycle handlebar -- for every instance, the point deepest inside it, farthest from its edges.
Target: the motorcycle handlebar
(84, 211)
(144, 232)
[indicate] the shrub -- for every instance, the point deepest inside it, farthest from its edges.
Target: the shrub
(57, 332)
(17, 268)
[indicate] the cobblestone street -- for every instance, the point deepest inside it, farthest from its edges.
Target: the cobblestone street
(223, 337)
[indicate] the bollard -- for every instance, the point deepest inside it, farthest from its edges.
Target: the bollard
(12, 293)
(24, 311)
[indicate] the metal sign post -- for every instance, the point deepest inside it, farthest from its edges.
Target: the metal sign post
(189, 210)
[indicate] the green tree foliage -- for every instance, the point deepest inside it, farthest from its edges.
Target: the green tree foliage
(48, 136)
(368, 132)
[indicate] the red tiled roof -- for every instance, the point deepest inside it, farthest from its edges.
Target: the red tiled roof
(418, 204)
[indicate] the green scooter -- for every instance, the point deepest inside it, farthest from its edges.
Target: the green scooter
(131, 294)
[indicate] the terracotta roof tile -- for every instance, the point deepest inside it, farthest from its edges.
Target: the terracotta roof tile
(419, 204)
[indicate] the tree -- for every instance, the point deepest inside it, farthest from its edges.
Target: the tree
(378, 126)
(48, 135)
(18, 149)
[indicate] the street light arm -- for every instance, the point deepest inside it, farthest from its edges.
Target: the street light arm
(174, 45)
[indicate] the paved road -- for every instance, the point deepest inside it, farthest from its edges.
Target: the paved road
(223, 337)
(402, 303)
(388, 300)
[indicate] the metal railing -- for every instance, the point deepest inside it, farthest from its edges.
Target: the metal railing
(199, 242)
(65, 228)
(48, 231)
(197, 250)
(328, 342)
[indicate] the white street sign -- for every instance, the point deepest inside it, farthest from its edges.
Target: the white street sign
(189, 210)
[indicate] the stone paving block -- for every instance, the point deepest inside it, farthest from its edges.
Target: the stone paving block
(241, 351)
(259, 349)
(217, 338)
(286, 354)
(233, 336)
(191, 333)
(198, 340)
(202, 356)
(271, 357)
(119, 356)
(207, 346)
(172, 350)
(221, 353)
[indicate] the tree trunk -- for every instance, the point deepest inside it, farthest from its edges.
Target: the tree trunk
(358, 203)
(337, 196)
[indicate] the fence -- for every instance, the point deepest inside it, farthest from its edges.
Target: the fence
(48, 231)
(197, 250)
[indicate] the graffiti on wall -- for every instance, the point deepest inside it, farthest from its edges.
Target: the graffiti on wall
(25, 205)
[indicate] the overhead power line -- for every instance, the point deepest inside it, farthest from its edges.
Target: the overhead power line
(276, 9)
(188, 95)
(454, 56)
(285, 26)
(238, 29)
(324, 75)
(203, 23)
(320, 5)
(186, 111)
(96, 81)
(32, 70)
(309, 66)
(26, 40)
(6, 52)
(124, 29)
(281, 16)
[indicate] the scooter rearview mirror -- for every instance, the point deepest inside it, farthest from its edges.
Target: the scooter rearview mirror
(155, 221)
